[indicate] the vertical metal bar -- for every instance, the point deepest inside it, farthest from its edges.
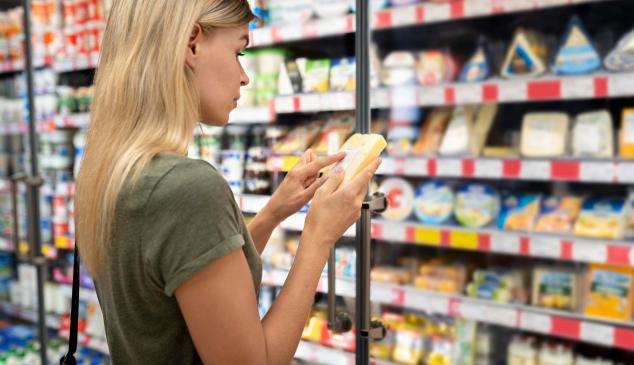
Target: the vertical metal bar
(33, 185)
(332, 295)
(362, 51)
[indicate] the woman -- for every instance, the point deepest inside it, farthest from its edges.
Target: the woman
(176, 268)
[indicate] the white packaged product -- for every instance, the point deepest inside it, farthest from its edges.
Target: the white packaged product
(468, 130)
(526, 57)
(544, 134)
(400, 198)
(399, 68)
(593, 135)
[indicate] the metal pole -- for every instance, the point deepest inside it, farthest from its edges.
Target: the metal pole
(362, 51)
(33, 185)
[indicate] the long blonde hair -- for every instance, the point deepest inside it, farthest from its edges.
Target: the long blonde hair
(145, 103)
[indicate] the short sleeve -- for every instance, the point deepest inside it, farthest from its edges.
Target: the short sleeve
(190, 222)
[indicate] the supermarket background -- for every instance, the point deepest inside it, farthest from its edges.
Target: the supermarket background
(509, 172)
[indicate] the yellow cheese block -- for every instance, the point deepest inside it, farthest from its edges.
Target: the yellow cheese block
(360, 150)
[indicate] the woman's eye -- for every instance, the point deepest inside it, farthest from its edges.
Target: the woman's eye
(240, 54)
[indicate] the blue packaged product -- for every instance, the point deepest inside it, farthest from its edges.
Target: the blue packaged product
(519, 212)
(576, 54)
(433, 202)
(476, 205)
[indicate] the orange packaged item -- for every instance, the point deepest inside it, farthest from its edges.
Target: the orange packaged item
(627, 134)
(432, 132)
(558, 214)
(299, 138)
(341, 125)
(610, 292)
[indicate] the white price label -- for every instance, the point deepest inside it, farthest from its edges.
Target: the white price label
(475, 311)
(433, 95)
(589, 251)
(449, 167)
(620, 85)
(597, 171)
(535, 170)
(339, 100)
(577, 87)
(544, 246)
(381, 293)
(403, 97)
(437, 12)
(535, 322)
(394, 232)
(503, 316)
(475, 8)
(312, 103)
(416, 167)
(488, 169)
(597, 333)
(503, 242)
(284, 104)
(404, 15)
(388, 166)
(469, 94)
(380, 98)
(625, 172)
(83, 61)
(330, 26)
(515, 90)
(420, 300)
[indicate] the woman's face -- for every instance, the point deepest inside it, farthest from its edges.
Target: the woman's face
(213, 58)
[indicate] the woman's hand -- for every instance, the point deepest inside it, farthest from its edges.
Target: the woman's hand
(335, 208)
(300, 185)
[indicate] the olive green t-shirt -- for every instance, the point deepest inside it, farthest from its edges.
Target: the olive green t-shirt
(179, 217)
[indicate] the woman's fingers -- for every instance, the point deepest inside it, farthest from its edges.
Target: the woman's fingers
(312, 169)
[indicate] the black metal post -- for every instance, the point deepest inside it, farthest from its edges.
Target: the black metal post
(33, 186)
(362, 51)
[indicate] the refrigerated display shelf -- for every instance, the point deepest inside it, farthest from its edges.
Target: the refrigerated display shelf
(7, 67)
(28, 315)
(23, 127)
(6, 245)
(319, 354)
(547, 88)
(572, 326)
(527, 244)
(79, 62)
(400, 17)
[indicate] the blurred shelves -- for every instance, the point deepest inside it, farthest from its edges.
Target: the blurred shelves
(78, 120)
(401, 16)
(6, 245)
(572, 326)
(28, 315)
(23, 127)
(253, 115)
(527, 244)
(93, 343)
(547, 88)
(7, 67)
(79, 62)
(319, 354)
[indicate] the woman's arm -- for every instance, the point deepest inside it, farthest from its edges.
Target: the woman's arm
(262, 226)
(219, 303)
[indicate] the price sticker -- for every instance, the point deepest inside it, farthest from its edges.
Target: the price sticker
(620, 85)
(577, 87)
(625, 172)
(478, 8)
(535, 170)
(380, 98)
(597, 333)
(515, 90)
(449, 167)
(536, 322)
(404, 15)
(403, 97)
(395, 232)
(488, 168)
(415, 167)
(312, 103)
(475, 311)
(285, 104)
(435, 12)
(545, 246)
(504, 242)
(381, 293)
(388, 166)
(432, 96)
(289, 32)
(469, 94)
(503, 316)
(598, 171)
(589, 251)
(329, 26)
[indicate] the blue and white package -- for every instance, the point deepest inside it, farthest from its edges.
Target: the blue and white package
(576, 54)
(622, 57)
(434, 202)
(477, 68)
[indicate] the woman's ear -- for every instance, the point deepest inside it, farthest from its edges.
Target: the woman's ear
(192, 46)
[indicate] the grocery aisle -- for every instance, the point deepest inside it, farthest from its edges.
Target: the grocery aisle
(508, 172)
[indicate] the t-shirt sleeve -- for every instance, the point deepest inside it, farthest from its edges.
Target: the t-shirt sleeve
(191, 221)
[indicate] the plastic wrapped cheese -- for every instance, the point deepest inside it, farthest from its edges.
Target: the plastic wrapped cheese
(558, 214)
(316, 76)
(476, 206)
(622, 57)
(478, 67)
(400, 198)
(434, 202)
(519, 212)
(432, 132)
(592, 135)
(468, 130)
(526, 57)
(610, 292)
(544, 134)
(435, 67)
(601, 218)
(360, 150)
(576, 54)
(343, 74)
(299, 139)
(555, 288)
(339, 124)
(627, 134)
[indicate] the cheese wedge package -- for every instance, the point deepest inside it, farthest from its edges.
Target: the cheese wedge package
(478, 68)
(360, 150)
(576, 54)
(526, 57)
(622, 57)
(468, 130)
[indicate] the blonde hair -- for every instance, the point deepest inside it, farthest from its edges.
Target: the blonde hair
(145, 103)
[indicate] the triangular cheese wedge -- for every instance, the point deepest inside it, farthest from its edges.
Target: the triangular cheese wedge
(458, 135)
(477, 68)
(622, 57)
(577, 54)
(360, 150)
(526, 56)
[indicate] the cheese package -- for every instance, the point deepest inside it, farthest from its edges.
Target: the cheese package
(435, 67)
(316, 76)
(403, 131)
(629, 216)
(400, 199)
(626, 140)
(476, 205)
(299, 139)
(434, 202)
(526, 57)
(576, 54)
(555, 288)
(340, 125)
(592, 135)
(558, 214)
(601, 218)
(343, 74)
(544, 134)
(399, 68)
(609, 292)
(622, 57)
(432, 132)
(478, 67)
(290, 79)
(360, 149)
(519, 212)
(468, 130)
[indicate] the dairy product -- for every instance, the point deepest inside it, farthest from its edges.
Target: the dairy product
(544, 134)
(555, 288)
(400, 198)
(478, 67)
(627, 134)
(434, 202)
(601, 218)
(526, 56)
(316, 76)
(576, 54)
(399, 68)
(432, 132)
(558, 214)
(622, 57)
(343, 74)
(468, 130)
(610, 292)
(434, 67)
(519, 212)
(476, 206)
(360, 150)
(592, 135)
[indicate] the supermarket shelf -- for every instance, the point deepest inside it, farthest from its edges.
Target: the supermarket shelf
(529, 244)
(28, 315)
(252, 115)
(84, 61)
(7, 67)
(79, 120)
(93, 343)
(400, 17)
(23, 127)
(532, 319)
(316, 353)
(6, 245)
(85, 294)
(547, 88)
(566, 169)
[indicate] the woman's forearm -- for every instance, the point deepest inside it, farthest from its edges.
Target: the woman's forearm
(262, 226)
(284, 323)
